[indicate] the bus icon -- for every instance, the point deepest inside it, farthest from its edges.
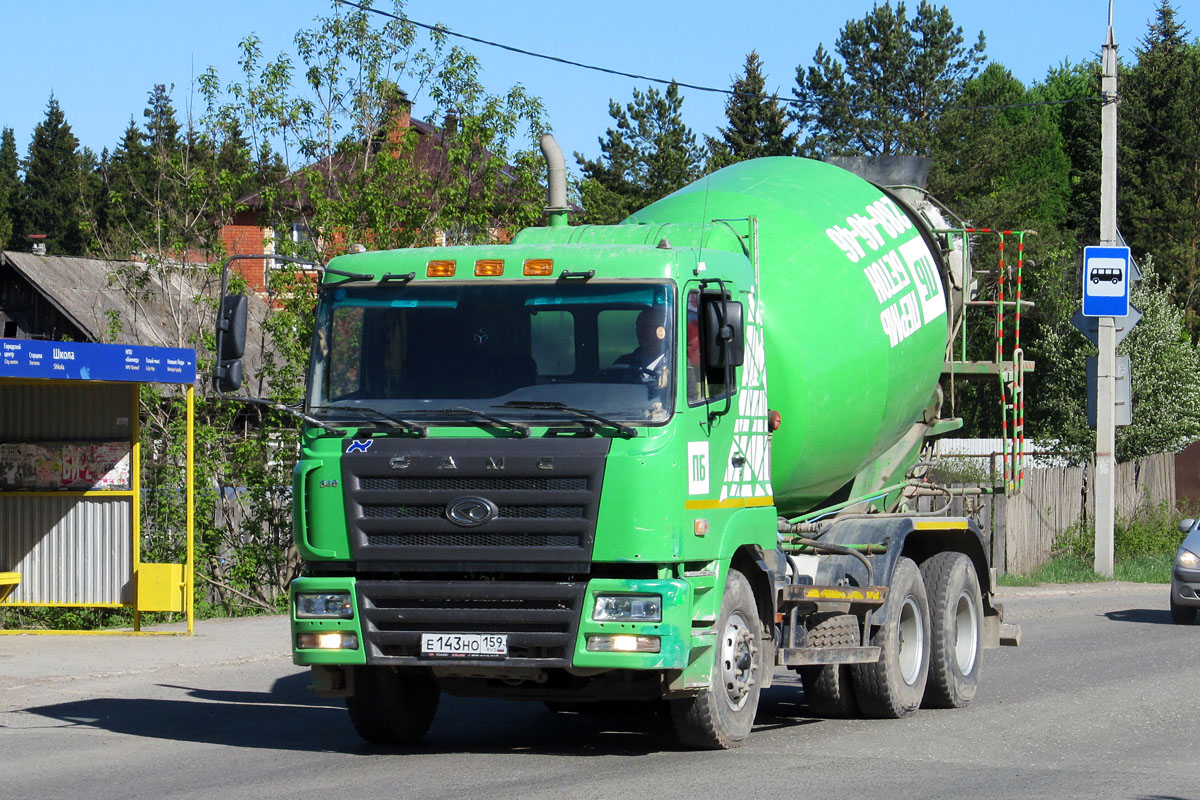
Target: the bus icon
(1109, 274)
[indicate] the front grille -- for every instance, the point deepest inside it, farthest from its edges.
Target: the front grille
(541, 495)
(540, 619)
(475, 484)
(506, 512)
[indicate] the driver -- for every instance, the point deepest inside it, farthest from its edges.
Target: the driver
(649, 358)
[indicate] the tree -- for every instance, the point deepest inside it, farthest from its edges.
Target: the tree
(1164, 364)
(50, 191)
(1074, 91)
(1159, 200)
(757, 123)
(894, 78)
(649, 154)
(999, 160)
(10, 187)
(354, 172)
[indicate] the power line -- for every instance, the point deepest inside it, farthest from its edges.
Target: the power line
(714, 90)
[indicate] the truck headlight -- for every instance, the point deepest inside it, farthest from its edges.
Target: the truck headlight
(324, 605)
(627, 608)
(1187, 559)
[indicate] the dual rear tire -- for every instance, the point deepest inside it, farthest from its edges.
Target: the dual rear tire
(930, 640)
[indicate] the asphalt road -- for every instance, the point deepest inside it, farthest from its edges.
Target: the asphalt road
(1098, 701)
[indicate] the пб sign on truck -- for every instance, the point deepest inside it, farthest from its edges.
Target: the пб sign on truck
(647, 461)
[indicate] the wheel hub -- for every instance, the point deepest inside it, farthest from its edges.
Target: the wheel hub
(739, 652)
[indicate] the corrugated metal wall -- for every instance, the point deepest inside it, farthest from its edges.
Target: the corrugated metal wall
(68, 548)
(66, 412)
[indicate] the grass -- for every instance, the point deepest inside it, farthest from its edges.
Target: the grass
(1143, 552)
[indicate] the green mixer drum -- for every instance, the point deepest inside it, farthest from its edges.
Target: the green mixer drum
(854, 313)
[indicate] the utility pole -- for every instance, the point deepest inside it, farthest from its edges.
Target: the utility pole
(1105, 478)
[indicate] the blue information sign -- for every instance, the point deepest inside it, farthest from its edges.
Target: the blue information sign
(84, 361)
(1105, 281)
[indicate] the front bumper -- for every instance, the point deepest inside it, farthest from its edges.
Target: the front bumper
(547, 623)
(1185, 587)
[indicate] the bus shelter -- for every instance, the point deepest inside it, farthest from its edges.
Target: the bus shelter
(70, 478)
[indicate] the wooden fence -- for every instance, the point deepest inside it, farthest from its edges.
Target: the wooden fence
(1025, 526)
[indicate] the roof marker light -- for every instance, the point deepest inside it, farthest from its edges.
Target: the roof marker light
(489, 267)
(439, 269)
(539, 266)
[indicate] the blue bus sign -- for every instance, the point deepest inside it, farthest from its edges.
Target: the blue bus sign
(1106, 281)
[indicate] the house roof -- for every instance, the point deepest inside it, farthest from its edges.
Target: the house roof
(124, 302)
(427, 153)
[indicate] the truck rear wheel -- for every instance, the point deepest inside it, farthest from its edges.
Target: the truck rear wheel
(721, 716)
(829, 689)
(956, 623)
(893, 686)
(391, 706)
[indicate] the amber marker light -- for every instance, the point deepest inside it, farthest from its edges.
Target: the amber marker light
(485, 267)
(439, 269)
(539, 266)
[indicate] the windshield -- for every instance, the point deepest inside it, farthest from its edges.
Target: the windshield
(418, 350)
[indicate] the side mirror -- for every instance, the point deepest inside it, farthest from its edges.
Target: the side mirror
(231, 343)
(231, 327)
(1185, 525)
(724, 334)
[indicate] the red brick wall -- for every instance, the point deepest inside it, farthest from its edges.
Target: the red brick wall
(243, 236)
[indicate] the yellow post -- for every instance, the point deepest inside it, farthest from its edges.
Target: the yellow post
(189, 575)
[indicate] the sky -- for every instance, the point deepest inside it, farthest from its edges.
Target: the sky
(101, 58)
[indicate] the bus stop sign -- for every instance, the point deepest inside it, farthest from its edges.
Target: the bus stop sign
(1106, 281)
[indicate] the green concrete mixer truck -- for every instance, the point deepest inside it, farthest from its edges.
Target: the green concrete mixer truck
(643, 462)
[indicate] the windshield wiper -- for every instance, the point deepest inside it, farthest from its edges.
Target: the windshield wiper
(582, 413)
(404, 425)
(515, 427)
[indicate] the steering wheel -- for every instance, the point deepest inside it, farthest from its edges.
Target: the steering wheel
(625, 373)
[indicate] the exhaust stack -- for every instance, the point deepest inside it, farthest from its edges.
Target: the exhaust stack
(556, 182)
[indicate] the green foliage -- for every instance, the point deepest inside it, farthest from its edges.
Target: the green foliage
(649, 154)
(50, 191)
(10, 187)
(999, 163)
(1160, 152)
(1075, 90)
(1143, 551)
(894, 76)
(757, 123)
(1164, 363)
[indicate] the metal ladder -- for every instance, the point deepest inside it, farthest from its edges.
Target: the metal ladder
(1008, 363)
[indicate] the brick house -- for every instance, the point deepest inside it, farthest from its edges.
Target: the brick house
(245, 234)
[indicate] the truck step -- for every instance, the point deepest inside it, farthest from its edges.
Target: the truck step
(804, 656)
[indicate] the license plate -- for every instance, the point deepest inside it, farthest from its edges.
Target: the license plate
(464, 645)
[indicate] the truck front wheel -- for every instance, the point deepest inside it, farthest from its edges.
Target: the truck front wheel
(893, 686)
(393, 706)
(720, 717)
(956, 622)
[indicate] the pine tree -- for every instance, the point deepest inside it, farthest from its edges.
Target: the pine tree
(10, 188)
(650, 153)
(51, 188)
(757, 124)
(894, 78)
(127, 178)
(1159, 183)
